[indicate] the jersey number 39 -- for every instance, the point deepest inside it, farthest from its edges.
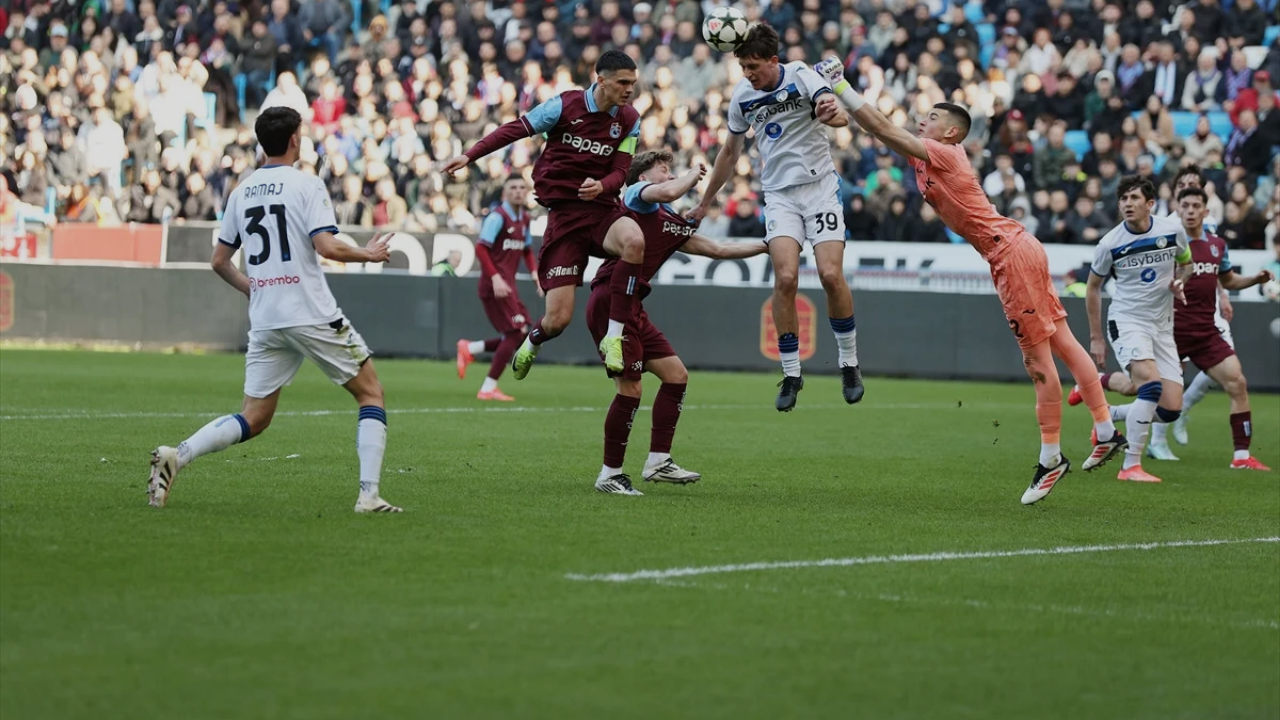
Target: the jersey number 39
(254, 216)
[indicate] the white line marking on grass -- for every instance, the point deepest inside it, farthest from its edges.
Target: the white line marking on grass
(99, 415)
(895, 559)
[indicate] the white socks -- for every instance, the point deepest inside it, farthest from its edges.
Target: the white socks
(846, 332)
(615, 329)
(1105, 430)
(371, 444)
(488, 385)
(1050, 454)
(475, 347)
(214, 437)
(656, 459)
(528, 344)
(789, 353)
(1138, 420)
(1159, 433)
(1119, 413)
(607, 472)
(1199, 387)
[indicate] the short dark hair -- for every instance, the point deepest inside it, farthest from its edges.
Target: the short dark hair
(1129, 183)
(1191, 169)
(959, 116)
(275, 127)
(513, 177)
(762, 42)
(614, 60)
(1194, 192)
(645, 161)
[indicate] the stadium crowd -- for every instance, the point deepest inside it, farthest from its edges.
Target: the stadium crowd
(134, 110)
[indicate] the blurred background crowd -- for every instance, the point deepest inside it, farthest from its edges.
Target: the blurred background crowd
(140, 110)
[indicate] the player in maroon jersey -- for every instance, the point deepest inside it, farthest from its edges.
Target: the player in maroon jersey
(504, 240)
(1194, 329)
(651, 187)
(591, 136)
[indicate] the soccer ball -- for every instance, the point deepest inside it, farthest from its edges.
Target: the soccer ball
(1271, 290)
(725, 29)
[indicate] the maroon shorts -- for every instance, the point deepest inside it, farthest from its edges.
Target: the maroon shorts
(641, 340)
(573, 229)
(1203, 349)
(505, 314)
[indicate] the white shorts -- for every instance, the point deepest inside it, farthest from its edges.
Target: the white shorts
(810, 212)
(275, 356)
(1143, 342)
(1224, 329)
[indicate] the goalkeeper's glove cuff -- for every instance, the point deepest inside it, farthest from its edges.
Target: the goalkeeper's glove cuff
(849, 96)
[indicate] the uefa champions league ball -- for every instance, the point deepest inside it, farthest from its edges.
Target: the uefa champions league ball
(725, 29)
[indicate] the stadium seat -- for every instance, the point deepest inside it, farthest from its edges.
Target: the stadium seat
(986, 34)
(1184, 123)
(241, 82)
(1078, 141)
(1220, 124)
(973, 12)
(357, 11)
(1273, 32)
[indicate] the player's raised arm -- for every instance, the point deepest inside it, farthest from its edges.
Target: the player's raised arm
(706, 247)
(674, 189)
(722, 170)
(826, 108)
(1185, 267)
(871, 119)
(539, 120)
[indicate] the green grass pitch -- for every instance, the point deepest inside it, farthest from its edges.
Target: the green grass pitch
(258, 593)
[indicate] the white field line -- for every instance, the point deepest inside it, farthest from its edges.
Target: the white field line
(896, 559)
(73, 414)
(1126, 614)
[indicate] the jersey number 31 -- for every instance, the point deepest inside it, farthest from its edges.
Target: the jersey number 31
(254, 216)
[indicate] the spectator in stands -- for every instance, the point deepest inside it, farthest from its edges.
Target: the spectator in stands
(66, 163)
(1134, 85)
(322, 23)
(745, 222)
(1166, 79)
(1085, 223)
(101, 139)
(390, 209)
(1155, 126)
(1249, 148)
(1205, 89)
(199, 202)
(1237, 78)
(150, 201)
(1202, 141)
(1208, 19)
(259, 63)
(927, 227)
(1051, 160)
(1066, 103)
(859, 223)
(1241, 229)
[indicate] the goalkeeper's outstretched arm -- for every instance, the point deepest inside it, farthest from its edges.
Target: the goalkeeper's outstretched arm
(866, 115)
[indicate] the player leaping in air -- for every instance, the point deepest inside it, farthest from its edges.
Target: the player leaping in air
(785, 104)
(285, 219)
(591, 136)
(504, 240)
(652, 187)
(1019, 269)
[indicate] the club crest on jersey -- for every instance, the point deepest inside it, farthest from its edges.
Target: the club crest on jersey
(615, 131)
(1162, 242)
(773, 131)
(1213, 250)
(1148, 274)
(780, 96)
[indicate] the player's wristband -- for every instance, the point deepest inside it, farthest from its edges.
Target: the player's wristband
(849, 96)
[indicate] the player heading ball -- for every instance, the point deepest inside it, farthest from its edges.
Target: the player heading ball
(788, 105)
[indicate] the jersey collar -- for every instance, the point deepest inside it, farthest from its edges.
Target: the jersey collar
(511, 212)
(1151, 225)
(590, 97)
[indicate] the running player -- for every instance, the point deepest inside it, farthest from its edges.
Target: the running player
(284, 217)
(1189, 176)
(651, 187)
(504, 239)
(1150, 261)
(591, 136)
(785, 104)
(1019, 270)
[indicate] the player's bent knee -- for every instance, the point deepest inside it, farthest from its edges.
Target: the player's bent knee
(1237, 386)
(629, 388)
(1165, 415)
(786, 284)
(832, 279)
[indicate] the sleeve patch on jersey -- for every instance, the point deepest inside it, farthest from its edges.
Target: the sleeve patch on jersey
(628, 145)
(819, 92)
(328, 229)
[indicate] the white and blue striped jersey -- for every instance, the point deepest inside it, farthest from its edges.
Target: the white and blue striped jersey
(273, 215)
(794, 147)
(1143, 264)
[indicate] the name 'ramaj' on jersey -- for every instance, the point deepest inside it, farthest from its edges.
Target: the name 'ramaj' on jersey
(794, 147)
(273, 215)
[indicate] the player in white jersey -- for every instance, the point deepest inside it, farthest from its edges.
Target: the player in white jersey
(283, 219)
(1150, 260)
(787, 105)
(1189, 176)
